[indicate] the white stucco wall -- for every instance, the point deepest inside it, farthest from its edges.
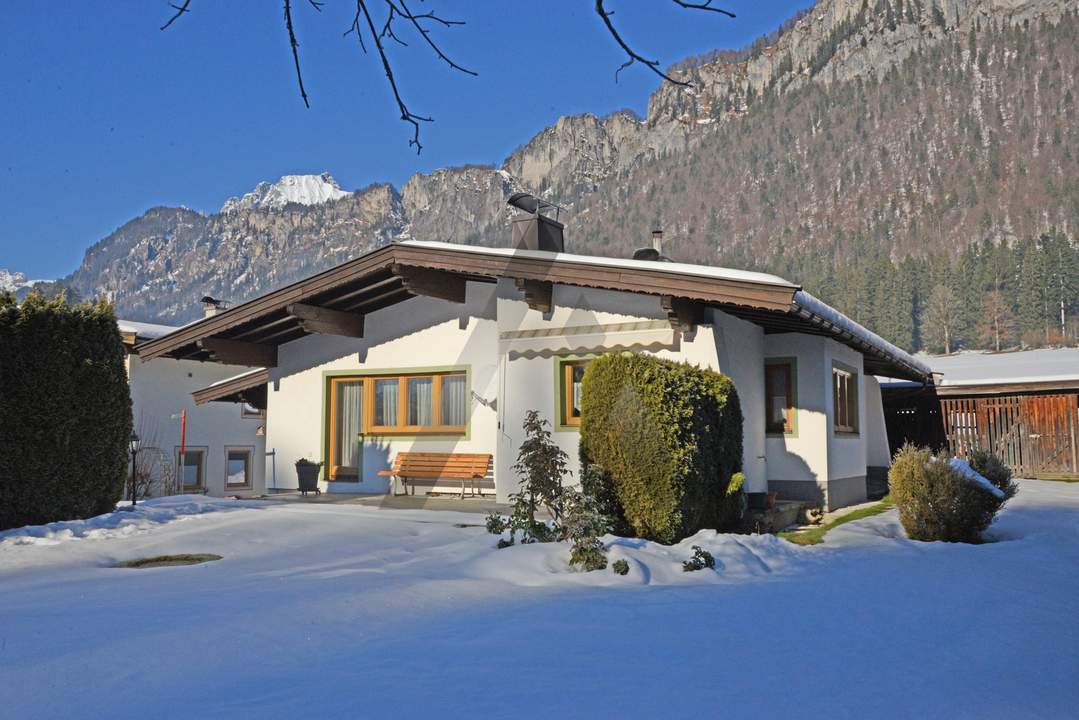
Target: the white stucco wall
(802, 456)
(846, 453)
(532, 383)
(877, 452)
(740, 354)
(512, 354)
(418, 333)
(161, 389)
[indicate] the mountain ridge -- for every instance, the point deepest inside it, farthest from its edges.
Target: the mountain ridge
(745, 167)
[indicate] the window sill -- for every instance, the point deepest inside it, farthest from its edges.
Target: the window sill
(415, 430)
(846, 435)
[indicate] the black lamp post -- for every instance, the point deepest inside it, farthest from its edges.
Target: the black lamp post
(134, 457)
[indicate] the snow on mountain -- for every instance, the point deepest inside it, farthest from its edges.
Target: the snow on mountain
(302, 189)
(13, 281)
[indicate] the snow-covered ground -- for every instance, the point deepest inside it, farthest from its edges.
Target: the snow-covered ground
(342, 611)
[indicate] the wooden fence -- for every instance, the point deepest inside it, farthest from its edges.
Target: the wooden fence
(1034, 434)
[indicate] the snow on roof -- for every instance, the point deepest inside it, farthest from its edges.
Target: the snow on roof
(709, 271)
(802, 299)
(144, 331)
(821, 309)
(238, 376)
(983, 368)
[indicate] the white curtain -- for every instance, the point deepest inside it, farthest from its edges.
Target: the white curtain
(386, 402)
(454, 400)
(578, 377)
(420, 396)
(349, 422)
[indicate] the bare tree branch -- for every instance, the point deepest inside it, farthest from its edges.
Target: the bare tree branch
(406, 115)
(295, 50)
(355, 28)
(415, 20)
(399, 10)
(387, 29)
(180, 10)
(706, 5)
(653, 65)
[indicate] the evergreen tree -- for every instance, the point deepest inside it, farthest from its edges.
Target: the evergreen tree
(1033, 300)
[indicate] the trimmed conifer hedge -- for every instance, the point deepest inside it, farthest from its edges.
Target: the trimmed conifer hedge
(65, 410)
(660, 443)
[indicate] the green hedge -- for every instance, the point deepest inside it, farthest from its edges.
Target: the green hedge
(65, 411)
(660, 443)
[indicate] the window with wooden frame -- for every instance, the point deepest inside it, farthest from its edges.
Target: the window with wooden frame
(238, 462)
(192, 469)
(571, 375)
(431, 403)
(780, 396)
(844, 399)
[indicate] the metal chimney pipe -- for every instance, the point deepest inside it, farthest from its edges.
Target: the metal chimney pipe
(657, 241)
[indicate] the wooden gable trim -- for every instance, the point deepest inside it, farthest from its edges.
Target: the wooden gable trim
(232, 386)
(314, 319)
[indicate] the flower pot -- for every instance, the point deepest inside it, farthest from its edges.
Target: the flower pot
(307, 473)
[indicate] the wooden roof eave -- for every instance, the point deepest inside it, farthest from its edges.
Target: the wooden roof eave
(252, 318)
(232, 387)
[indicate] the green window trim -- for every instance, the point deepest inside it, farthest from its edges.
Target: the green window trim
(374, 438)
(847, 431)
(793, 363)
(560, 424)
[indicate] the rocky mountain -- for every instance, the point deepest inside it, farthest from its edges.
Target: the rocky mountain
(13, 281)
(911, 127)
(300, 189)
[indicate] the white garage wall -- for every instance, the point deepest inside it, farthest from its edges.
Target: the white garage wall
(161, 389)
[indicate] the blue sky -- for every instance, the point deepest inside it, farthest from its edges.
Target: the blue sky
(104, 116)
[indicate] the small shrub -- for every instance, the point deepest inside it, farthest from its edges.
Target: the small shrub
(667, 440)
(496, 524)
(541, 464)
(620, 567)
(936, 502)
(994, 470)
(588, 554)
(701, 559)
(583, 524)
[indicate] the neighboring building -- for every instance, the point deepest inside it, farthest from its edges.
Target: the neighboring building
(1022, 405)
(423, 346)
(225, 446)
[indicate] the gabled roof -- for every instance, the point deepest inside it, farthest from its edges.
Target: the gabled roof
(396, 272)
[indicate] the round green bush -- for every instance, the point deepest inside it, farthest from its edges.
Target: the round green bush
(660, 444)
(65, 411)
(936, 502)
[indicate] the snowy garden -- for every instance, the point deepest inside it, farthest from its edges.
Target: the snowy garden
(350, 611)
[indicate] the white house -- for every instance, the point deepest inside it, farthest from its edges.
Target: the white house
(224, 444)
(433, 347)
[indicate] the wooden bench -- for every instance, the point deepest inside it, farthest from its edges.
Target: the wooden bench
(412, 468)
